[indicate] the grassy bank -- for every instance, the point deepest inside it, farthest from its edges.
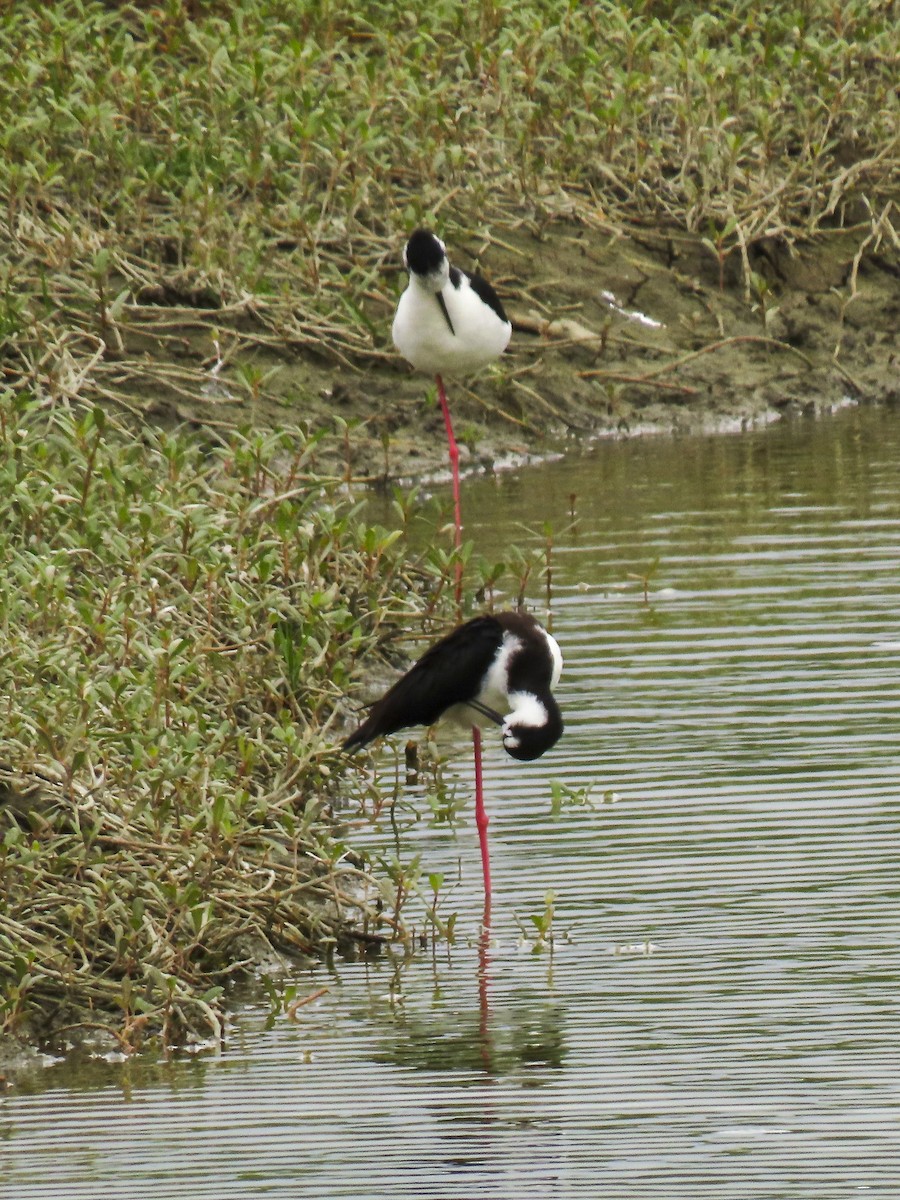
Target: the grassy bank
(178, 187)
(177, 629)
(191, 194)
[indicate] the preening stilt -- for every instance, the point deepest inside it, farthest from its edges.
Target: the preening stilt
(498, 668)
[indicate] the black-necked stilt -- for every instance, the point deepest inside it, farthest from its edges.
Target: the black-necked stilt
(499, 668)
(447, 323)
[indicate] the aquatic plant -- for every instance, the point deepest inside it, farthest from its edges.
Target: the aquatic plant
(178, 626)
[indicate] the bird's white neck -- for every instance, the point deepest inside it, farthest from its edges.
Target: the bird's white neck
(525, 709)
(435, 280)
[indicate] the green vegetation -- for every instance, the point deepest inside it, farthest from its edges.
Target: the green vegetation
(167, 177)
(185, 185)
(177, 629)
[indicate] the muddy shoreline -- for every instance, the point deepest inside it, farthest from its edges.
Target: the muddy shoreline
(613, 333)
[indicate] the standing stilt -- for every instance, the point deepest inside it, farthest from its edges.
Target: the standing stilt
(447, 322)
(481, 820)
(453, 451)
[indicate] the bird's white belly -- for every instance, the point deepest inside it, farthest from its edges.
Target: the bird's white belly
(422, 335)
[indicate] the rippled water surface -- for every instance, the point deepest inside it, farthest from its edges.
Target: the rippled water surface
(719, 1015)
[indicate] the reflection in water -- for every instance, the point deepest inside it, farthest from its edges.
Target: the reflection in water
(453, 1036)
(720, 1017)
(525, 1033)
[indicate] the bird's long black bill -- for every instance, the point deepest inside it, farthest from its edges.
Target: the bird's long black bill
(443, 303)
(485, 711)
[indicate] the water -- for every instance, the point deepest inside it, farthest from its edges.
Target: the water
(718, 1017)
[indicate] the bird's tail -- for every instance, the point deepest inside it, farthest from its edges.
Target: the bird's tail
(358, 738)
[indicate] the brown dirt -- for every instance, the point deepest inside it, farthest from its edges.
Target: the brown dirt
(818, 325)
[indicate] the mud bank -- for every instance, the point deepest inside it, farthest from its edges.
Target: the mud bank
(613, 333)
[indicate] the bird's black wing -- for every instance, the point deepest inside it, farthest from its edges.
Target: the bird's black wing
(486, 293)
(449, 672)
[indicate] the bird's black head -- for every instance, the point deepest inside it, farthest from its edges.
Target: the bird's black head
(425, 253)
(532, 728)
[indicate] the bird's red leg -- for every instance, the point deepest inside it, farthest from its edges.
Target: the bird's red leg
(484, 1006)
(481, 820)
(454, 468)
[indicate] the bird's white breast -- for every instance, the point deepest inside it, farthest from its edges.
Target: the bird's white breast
(526, 710)
(422, 335)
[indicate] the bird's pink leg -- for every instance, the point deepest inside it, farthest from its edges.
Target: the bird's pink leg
(481, 820)
(484, 981)
(454, 469)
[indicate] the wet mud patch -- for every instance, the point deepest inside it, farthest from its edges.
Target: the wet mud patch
(614, 332)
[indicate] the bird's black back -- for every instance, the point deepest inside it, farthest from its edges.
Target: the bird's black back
(449, 672)
(485, 292)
